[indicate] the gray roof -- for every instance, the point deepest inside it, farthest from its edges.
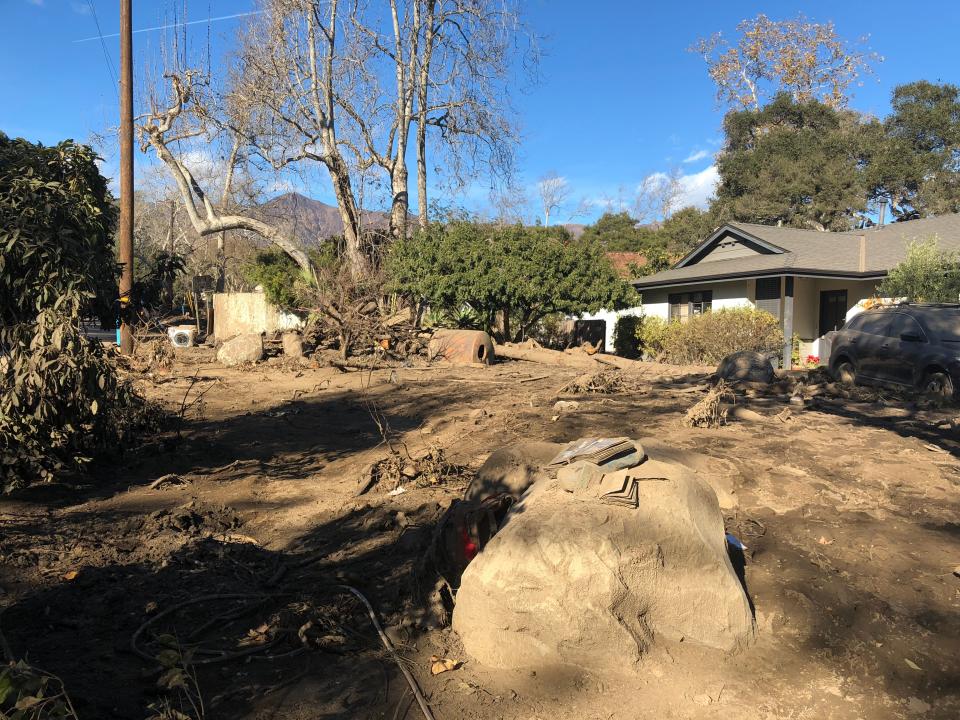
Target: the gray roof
(808, 252)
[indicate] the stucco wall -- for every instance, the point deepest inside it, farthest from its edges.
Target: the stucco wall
(806, 301)
(237, 313)
(610, 316)
(737, 293)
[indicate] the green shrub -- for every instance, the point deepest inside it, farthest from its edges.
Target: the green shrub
(626, 339)
(707, 339)
(651, 332)
(282, 280)
(927, 274)
(515, 274)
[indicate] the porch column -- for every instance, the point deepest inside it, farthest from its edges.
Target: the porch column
(788, 322)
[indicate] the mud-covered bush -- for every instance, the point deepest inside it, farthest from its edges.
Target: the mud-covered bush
(707, 339)
(61, 401)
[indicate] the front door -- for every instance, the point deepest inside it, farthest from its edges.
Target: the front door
(833, 310)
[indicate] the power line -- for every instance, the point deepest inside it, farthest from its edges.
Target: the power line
(173, 25)
(113, 73)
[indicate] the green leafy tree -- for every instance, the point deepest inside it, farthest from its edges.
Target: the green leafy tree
(687, 228)
(661, 244)
(516, 274)
(60, 398)
(792, 163)
(927, 274)
(615, 232)
(914, 155)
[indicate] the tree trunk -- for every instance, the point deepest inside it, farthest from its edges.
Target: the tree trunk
(349, 214)
(422, 212)
(401, 200)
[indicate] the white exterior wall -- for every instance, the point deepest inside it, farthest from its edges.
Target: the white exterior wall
(732, 294)
(610, 316)
(654, 303)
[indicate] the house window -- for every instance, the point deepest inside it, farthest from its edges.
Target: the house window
(768, 295)
(683, 305)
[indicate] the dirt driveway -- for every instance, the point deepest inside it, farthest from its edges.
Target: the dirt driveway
(848, 508)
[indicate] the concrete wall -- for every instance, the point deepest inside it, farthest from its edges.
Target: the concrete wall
(239, 313)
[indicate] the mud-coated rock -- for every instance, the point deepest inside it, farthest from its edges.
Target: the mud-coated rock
(292, 344)
(569, 581)
(745, 366)
(241, 349)
(511, 469)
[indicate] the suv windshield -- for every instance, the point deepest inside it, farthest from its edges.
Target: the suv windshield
(943, 323)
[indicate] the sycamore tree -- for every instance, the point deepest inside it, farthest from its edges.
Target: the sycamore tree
(764, 57)
(927, 274)
(515, 275)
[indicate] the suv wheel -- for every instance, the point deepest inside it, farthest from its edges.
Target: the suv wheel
(938, 384)
(846, 373)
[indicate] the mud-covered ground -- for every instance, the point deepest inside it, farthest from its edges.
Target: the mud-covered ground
(228, 541)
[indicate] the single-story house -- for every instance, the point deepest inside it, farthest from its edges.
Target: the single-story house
(810, 281)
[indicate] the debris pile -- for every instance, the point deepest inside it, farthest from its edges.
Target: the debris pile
(394, 472)
(604, 382)
(710, 411)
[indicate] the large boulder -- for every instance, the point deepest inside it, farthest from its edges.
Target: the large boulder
(569, 581)
(241, 349)
(512, 469)
(746, 366)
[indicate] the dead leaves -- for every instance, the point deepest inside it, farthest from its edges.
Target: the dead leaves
(441, 665)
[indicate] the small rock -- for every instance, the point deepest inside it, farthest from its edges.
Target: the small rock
(292, 344)
(562, 406)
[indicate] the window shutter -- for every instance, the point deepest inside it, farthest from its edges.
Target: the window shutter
(768, 295)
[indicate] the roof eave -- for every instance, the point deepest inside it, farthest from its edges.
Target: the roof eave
(772, 272)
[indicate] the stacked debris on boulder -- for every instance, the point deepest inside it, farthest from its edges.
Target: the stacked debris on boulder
(617, 554)
(746, 366)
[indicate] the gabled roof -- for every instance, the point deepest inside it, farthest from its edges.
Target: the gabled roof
(783, 250)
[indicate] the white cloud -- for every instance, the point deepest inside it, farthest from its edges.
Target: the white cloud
(38, 3)
(279, 186)
(698, 188)
(79, 8)
(698, 155)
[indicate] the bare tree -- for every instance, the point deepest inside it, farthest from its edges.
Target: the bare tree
(465, 72)
(657, 196)
(292, 82)
(554, 191)
(805, 58)
(162, 129)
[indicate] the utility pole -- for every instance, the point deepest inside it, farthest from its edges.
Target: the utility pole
(126, 175)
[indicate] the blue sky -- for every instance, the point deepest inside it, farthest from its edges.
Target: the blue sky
(619, 97)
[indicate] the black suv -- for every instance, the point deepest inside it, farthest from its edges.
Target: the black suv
(908, 344)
